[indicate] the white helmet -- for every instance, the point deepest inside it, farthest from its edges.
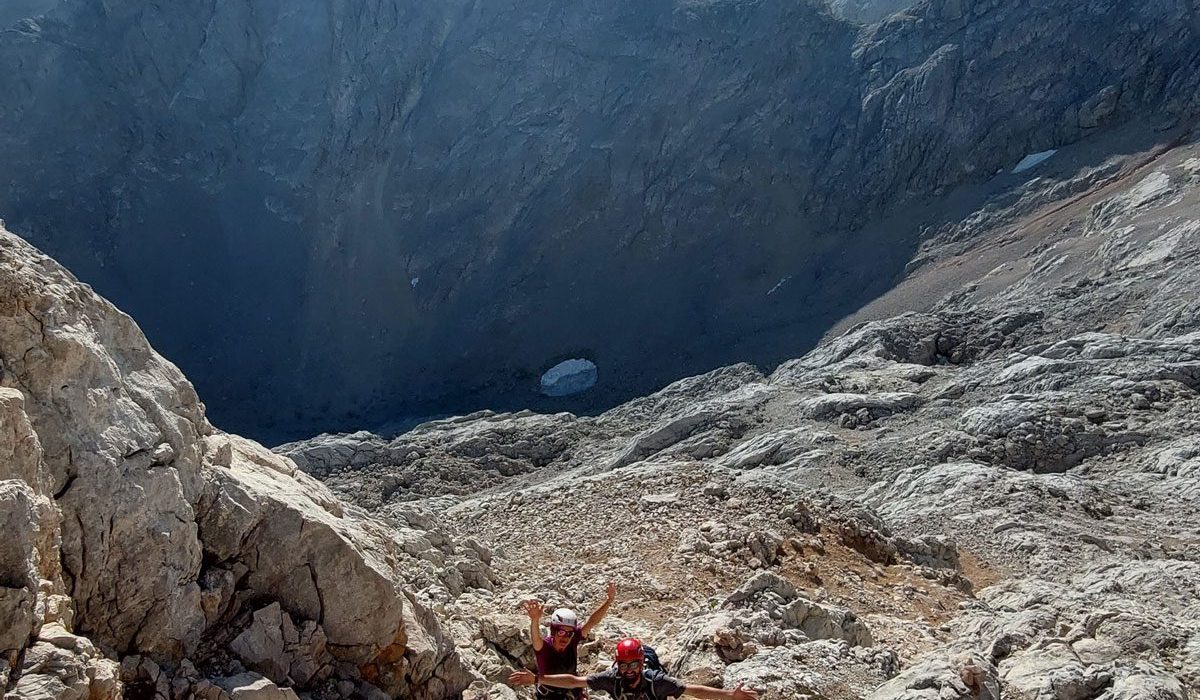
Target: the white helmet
(564, 618)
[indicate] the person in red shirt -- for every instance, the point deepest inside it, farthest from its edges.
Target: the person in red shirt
(558, 652)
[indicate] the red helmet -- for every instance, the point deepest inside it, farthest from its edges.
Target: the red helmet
(629, 650)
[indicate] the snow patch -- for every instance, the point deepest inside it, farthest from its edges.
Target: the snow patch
(569, 377)
(1033, 160)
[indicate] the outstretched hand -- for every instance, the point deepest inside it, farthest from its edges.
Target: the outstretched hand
(533, 608)
(522, 677)
(611, 594)
(740, 693)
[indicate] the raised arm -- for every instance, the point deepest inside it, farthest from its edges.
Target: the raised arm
(533, 608)
(595, 618)
(706, 693)
(558, 680)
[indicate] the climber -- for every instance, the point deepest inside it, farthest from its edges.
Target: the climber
(629, 680)
(557, 653)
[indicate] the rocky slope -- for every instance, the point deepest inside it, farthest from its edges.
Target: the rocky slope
(985, 487)
(312, 208)
(146, 554)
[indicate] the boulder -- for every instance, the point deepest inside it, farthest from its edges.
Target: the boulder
(769, 593)
(275, 647)
(965, 676)
(251, 686)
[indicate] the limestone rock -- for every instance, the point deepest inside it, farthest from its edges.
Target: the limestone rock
(21, 514)
(282, 651)
(481, 690)
(250, 686)
(1155, 687)
(967, 676)
(31, 585)
(874, 406)
(151, 496)
(51, 673)
(773, 595)
(774, 448)
(1052, 672)
(508, 634)
(449, 456)
(73, 345)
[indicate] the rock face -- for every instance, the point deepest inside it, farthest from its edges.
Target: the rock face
(868, 11)
(133, 527)
(39, 657)
(985, 487)
(15, 10)
(431, 202)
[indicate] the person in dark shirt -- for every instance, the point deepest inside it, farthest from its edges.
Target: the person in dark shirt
(630, 680)
(558, 652)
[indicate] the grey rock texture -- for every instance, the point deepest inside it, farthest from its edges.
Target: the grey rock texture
(136, 532)
(248, 686)
(39, 657)
(485, 448)
(968, 676)
(275, 647)
(868, 11)
(15, 10)
(351, 211)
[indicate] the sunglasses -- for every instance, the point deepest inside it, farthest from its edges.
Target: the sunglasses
(562, 632)
(628, 665)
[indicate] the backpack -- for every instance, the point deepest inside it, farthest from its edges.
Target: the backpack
(650, 660)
